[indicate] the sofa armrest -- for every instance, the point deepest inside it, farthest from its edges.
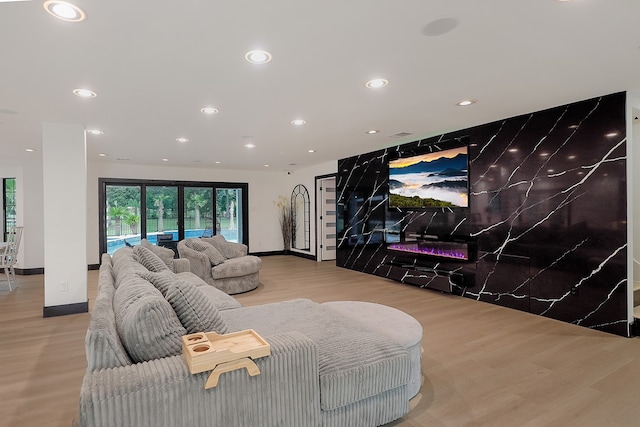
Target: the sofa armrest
(237, 249)
(199, 263)
(181, 265)
(162, 392)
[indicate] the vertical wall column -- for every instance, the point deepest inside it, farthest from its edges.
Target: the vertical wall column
(633, 204)
(64, 173)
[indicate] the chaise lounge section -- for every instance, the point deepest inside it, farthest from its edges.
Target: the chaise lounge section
(325, 369)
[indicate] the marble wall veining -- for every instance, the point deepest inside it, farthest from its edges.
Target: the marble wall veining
(547, 213)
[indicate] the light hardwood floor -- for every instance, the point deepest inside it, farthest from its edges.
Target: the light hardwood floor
(483, 365)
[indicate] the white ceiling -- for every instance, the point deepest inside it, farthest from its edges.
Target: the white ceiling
(155, 64)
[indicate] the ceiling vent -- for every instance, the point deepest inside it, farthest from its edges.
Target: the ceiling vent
(400, 135)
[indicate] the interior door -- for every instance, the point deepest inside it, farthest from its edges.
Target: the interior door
(327, 219)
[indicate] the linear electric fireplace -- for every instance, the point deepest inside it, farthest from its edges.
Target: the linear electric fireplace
(445, 250)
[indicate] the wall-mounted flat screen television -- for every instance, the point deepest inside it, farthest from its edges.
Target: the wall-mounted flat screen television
(432, 179)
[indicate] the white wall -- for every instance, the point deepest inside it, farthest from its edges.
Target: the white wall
(8, 170)
(64, 172)
(264, 189)
(29, 206)
(306, 177)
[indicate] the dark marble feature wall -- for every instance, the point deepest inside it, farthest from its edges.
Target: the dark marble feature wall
(547, 213)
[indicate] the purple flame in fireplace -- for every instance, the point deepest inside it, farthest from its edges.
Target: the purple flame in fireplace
(444, 252)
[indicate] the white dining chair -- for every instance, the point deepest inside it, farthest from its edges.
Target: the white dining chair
(9, 254)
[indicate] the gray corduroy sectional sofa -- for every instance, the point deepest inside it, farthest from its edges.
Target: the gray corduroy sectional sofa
(324, 369)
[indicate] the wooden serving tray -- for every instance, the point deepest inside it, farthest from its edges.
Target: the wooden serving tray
(209, 351)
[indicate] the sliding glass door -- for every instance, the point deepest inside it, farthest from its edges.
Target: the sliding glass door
(8, 204)
(122, 212)
(198, 212)
(165, 212)
(161, 213)
(229, 213)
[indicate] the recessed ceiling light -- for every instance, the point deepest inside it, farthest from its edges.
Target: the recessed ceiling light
(165, 160)
(258, 56)
(298, 122)
(466, 102)
(513, 150)
(103, 155)
(250, 145)
(182, 140)
(95, 132)
(372, 131)
(84, 93)
(209, 110)
(311, 151)
(573, 127)
(266, 166)
(217, 162)
(544, 154)
(376, 83)
(572, 157)
(611, 134)
(29, 150)
(65, 10)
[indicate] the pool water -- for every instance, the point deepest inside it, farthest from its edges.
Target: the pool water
(117, 242)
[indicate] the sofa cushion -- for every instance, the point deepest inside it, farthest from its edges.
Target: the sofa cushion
(192, 278)
(220, 299)
(193, 302)
(227, 249)
(161, 280)
(124, 264)
(123, 252)
(181, 265)
(215, 257)
(102, 343)
(149, 260)
(196, 313)
(165, 254)
(355, 363)
(128, 269)
(237, 267)
(146, 323)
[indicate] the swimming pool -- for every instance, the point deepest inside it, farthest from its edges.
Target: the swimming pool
(117, 242)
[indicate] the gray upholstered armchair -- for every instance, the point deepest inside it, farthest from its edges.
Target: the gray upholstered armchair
(222, 264)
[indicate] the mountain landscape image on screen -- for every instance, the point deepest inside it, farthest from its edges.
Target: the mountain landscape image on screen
(437, 179)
